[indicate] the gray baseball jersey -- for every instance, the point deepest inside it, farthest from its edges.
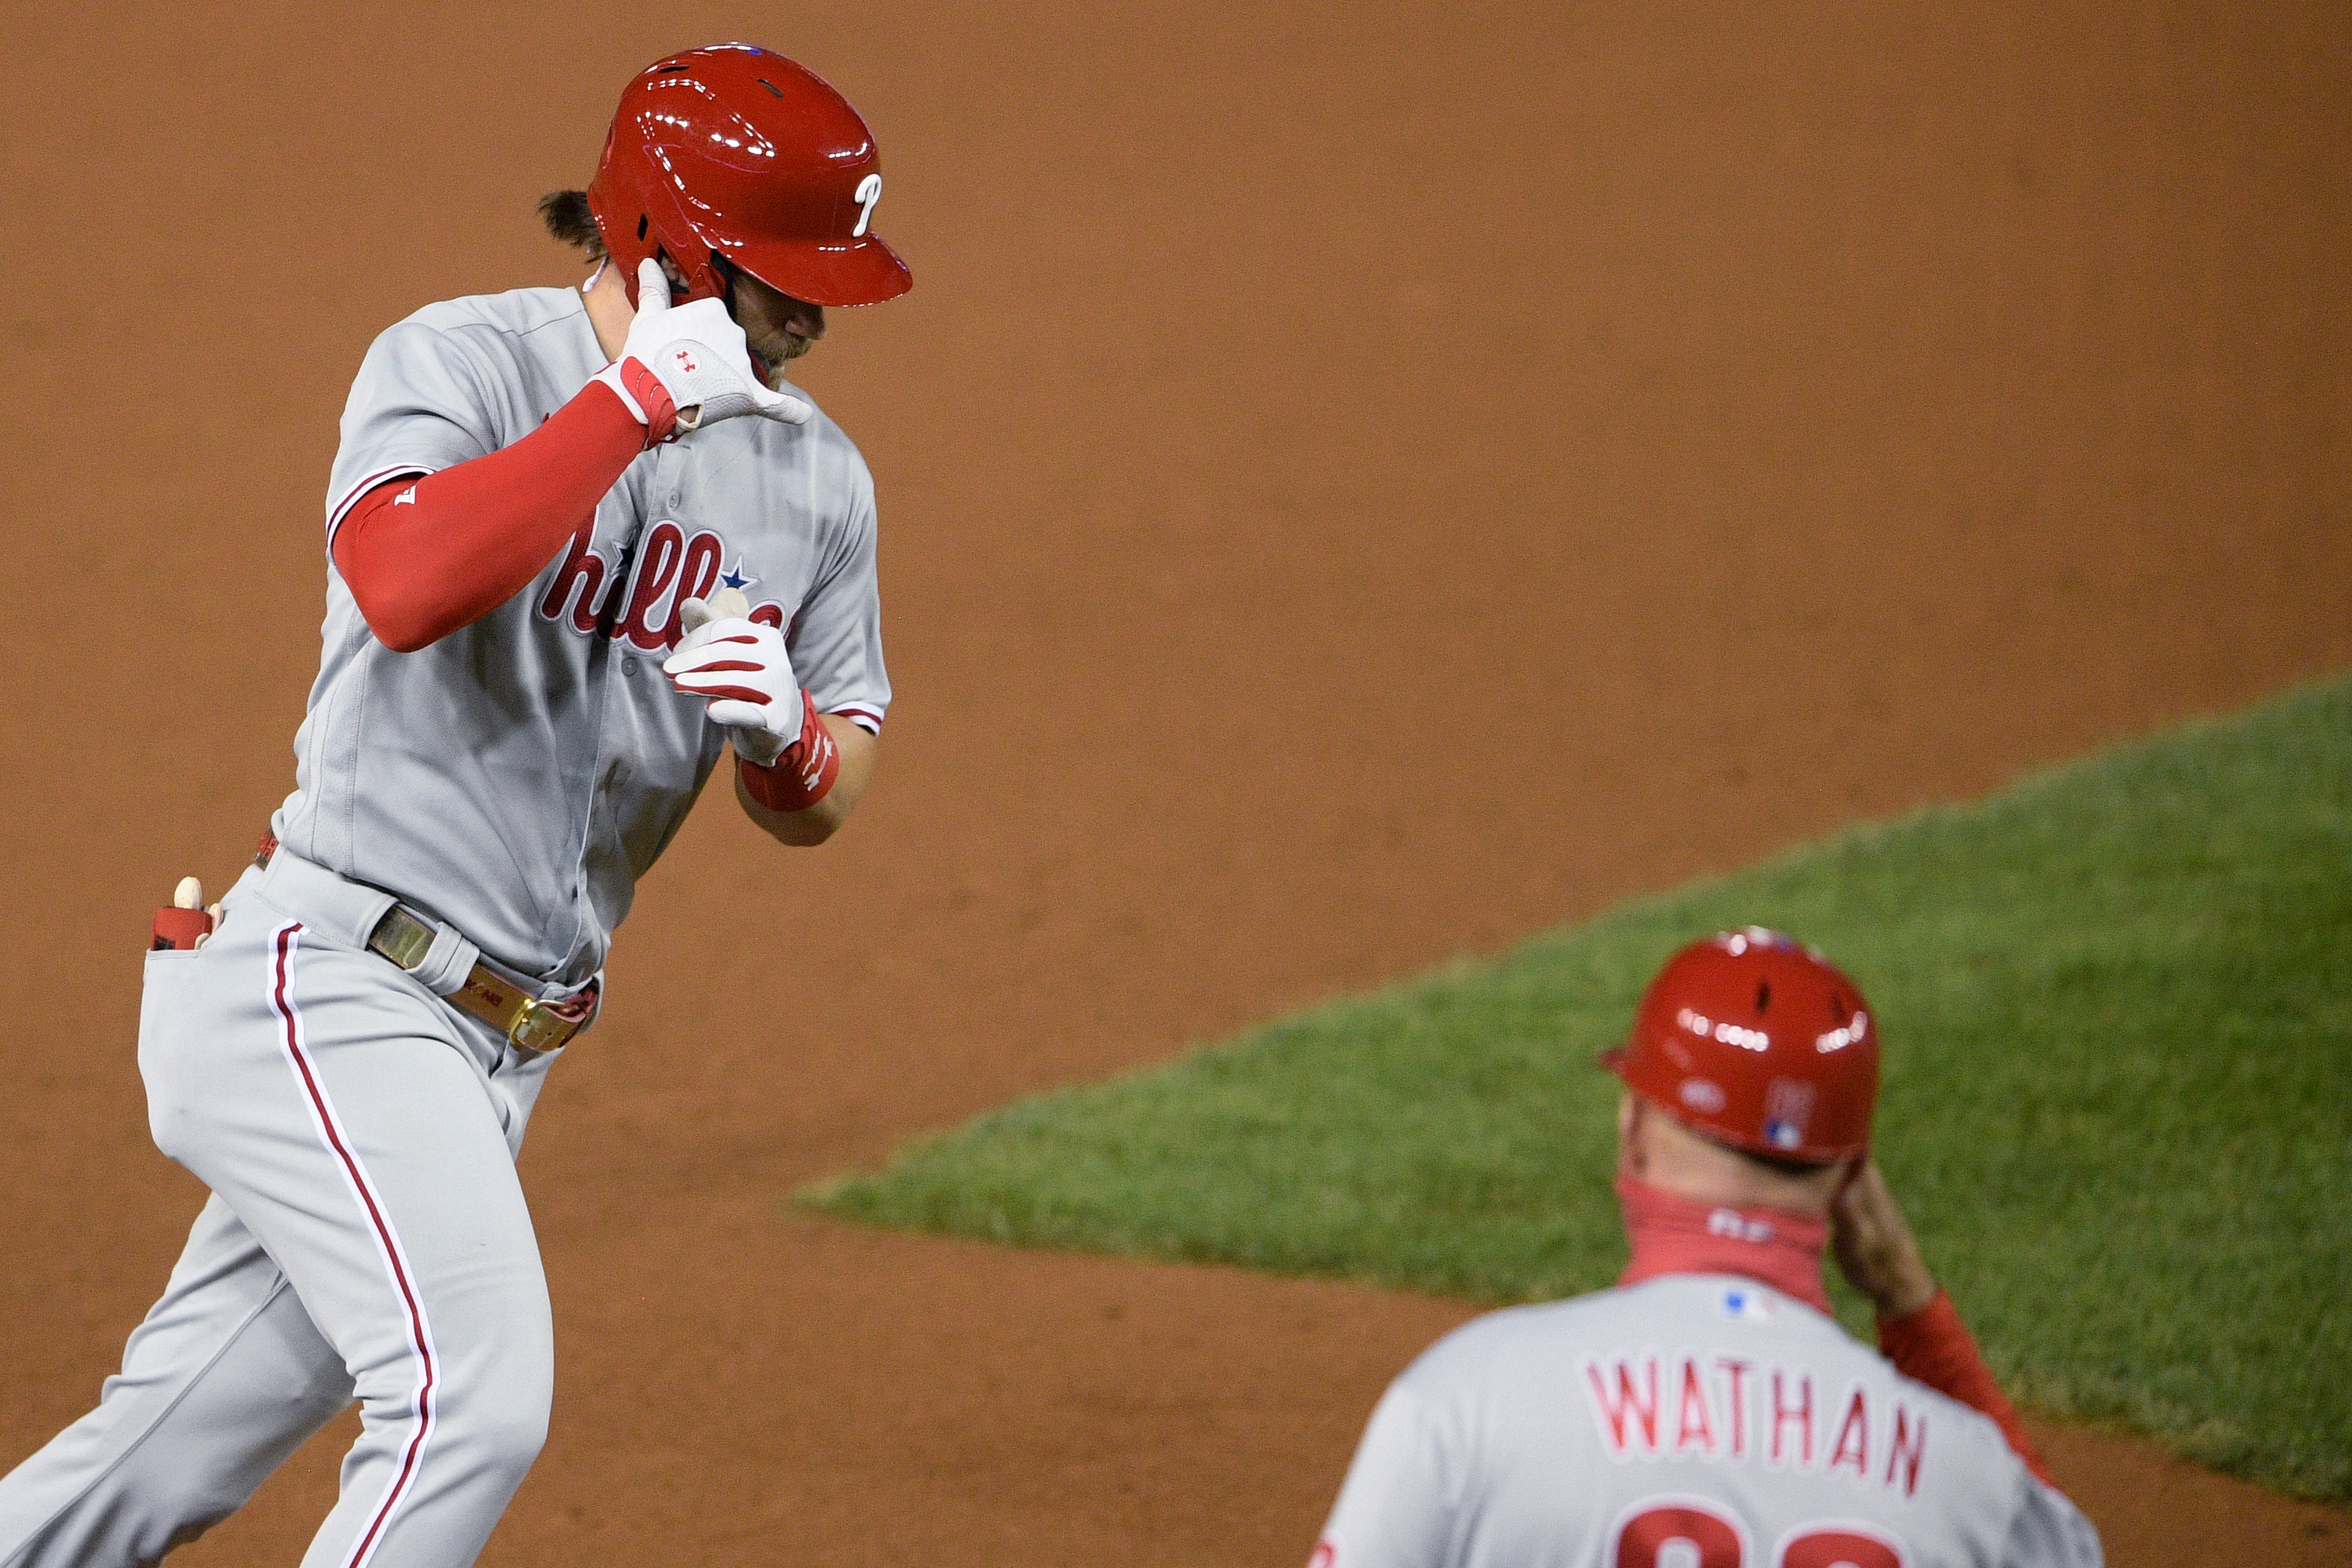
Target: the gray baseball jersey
(1702, 1421)
(518, 776)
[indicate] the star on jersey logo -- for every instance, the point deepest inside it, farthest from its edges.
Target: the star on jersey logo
(735, 578)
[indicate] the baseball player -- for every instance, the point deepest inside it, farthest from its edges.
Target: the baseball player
(580, 542)
(1708, 1412)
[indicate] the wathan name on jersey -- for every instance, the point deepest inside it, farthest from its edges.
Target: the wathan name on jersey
(1653, 1404)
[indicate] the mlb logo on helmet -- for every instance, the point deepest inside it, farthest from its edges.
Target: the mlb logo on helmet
(1787, 1106)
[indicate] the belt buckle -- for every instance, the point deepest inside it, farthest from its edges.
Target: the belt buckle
(539, 1027)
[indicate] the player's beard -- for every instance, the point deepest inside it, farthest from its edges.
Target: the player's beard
(777, 350)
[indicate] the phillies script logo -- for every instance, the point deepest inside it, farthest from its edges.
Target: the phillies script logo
(642, 606)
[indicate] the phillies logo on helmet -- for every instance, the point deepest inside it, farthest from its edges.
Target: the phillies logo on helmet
(1702, 1095)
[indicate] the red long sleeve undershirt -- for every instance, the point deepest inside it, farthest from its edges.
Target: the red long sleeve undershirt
(425, 556)
(1934, 1346)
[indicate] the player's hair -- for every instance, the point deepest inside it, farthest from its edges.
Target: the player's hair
(567, 217)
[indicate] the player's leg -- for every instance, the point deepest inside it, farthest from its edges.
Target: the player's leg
(356, 1130)
(223, 1381)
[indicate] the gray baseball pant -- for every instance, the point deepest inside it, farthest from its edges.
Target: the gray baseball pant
(366, 1238)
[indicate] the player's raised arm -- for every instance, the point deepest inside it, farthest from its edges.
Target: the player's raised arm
(1919, 1329)
(426, 555)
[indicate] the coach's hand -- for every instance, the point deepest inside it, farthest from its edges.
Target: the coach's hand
(1875, 1249)
(687, 366)
(743, 667)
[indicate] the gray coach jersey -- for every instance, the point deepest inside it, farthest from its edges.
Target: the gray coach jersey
(517, 777)
(1698, 1421)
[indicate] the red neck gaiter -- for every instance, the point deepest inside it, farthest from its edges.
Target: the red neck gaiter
(1674, 1235)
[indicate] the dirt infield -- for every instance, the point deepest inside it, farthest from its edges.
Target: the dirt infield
(1357, 486)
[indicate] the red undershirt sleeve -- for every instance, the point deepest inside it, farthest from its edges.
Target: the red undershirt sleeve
(424, 557)
(1935, 1347)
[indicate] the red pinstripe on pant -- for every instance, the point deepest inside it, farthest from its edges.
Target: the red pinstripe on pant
(287, 943)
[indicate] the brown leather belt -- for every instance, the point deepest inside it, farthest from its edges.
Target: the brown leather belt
(403, 937)
(528, 1023)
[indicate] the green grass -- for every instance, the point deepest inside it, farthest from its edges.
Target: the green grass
(2117, 1000)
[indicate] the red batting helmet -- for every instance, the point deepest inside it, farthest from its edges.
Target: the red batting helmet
(1752, 1039)
(732, 156)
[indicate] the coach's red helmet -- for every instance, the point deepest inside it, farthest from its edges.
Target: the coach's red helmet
(737, 153)
(1752, 1039)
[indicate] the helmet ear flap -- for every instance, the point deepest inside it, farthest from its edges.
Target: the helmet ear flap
(684, 285)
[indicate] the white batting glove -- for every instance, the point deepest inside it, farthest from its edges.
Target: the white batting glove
(743, 667)
(687, 366)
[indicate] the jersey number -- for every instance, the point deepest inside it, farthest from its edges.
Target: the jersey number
(1687, 1532)
(869, 191)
